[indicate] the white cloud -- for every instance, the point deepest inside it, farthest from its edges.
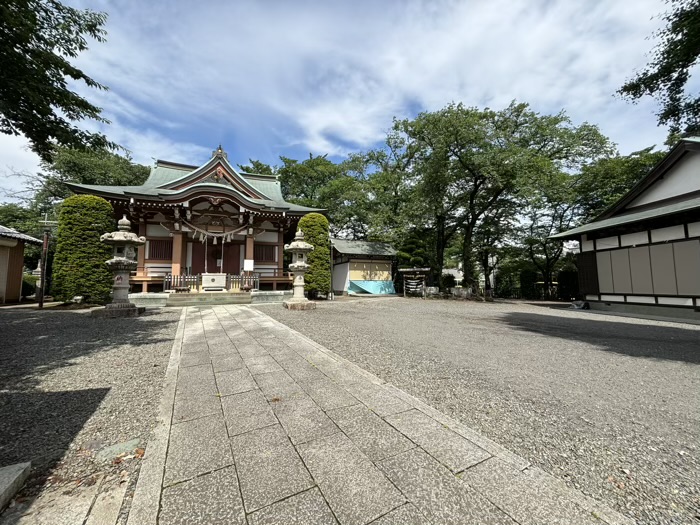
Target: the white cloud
(277, 77)
(16, 159)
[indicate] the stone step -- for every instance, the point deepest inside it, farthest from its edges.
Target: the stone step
(12, 478)
(199, 299)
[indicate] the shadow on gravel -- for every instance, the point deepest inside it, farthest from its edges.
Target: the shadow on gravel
(657, 342)
(40, 426)
(32, 343)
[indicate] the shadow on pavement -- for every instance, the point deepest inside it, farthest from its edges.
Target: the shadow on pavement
(632, 339)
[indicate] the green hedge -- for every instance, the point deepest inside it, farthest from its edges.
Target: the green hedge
(318, 278)
(29, 284)
(79, 264)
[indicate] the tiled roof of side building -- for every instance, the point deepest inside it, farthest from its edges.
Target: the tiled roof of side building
(347, 247)
(10, 233)
(629, 218)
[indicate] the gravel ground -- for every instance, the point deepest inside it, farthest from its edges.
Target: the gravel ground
(609, 404)
(71, 386)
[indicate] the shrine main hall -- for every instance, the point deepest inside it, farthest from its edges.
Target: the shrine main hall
(206, 220)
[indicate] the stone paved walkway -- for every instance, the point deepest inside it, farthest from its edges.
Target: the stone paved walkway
(261, 425)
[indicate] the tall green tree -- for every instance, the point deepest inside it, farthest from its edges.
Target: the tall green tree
(38, 38)
(318, 277)
(666, 76)
(79, 267)
(548, 206)
(45, 189)
(318, 182)
(605, 181)
(465, 161)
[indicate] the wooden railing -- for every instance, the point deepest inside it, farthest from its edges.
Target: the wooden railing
(243, 282)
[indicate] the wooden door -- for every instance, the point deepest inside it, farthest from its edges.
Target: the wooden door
(232, 258)
(197, 258)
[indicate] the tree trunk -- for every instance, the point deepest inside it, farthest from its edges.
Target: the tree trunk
(439, 250)
(468, 257)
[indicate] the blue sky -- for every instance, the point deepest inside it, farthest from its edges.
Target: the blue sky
(274, 78)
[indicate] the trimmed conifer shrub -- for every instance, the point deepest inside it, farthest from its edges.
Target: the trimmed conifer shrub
(318, 278)
(79, 267)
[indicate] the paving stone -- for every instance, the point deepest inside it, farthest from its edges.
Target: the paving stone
(373, 436)
(278, 386)
(449, 448)
(196, 447)
(327, 394)
(247, 411)
(530, 500)
(437, 493)
(261, 364)
(303, 419)
(194, 359)
(249, 351)
(221, 363)
(307, 508)
(375, 397)
(212, 499)
(195, 346)
(193, 406)
(234, 381)
(301, 370)
(269, 467)
(273, 345)
(196, 380)
(341, 374)
(221, 348)
(405, 515)
(353, 487)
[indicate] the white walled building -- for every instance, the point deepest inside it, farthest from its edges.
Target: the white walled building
(643, 254)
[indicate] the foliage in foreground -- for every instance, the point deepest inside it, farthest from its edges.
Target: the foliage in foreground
(318, 277)
(79, 264)
(37, 40)
(669, 70)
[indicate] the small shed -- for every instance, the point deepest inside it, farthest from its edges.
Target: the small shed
(362, 267)
(12, 263)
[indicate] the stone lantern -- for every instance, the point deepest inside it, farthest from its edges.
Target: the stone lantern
(299, 250)
(122, 263)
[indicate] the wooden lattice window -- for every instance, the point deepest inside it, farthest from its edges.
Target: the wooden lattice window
(264, 252)
(161, 249)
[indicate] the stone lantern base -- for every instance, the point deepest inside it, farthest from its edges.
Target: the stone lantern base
(113, 313)
(299, 305)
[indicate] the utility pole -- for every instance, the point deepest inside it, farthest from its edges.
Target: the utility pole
(44, 252)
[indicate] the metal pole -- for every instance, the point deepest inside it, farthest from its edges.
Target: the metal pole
(206, 253)
(44, 252)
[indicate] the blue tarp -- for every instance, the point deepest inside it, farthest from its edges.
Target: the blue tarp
(373, 287)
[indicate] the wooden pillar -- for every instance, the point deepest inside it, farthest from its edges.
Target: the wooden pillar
(179, 257)
(280, 252)
(249, 247)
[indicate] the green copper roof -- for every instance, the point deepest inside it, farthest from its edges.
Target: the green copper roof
(165, 176)
(661, 211)
(363, 247)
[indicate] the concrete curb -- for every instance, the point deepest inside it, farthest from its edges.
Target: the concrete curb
(12, 478)
(146, 503)
(601, 510)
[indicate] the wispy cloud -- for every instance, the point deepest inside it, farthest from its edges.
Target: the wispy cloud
(285, 78)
